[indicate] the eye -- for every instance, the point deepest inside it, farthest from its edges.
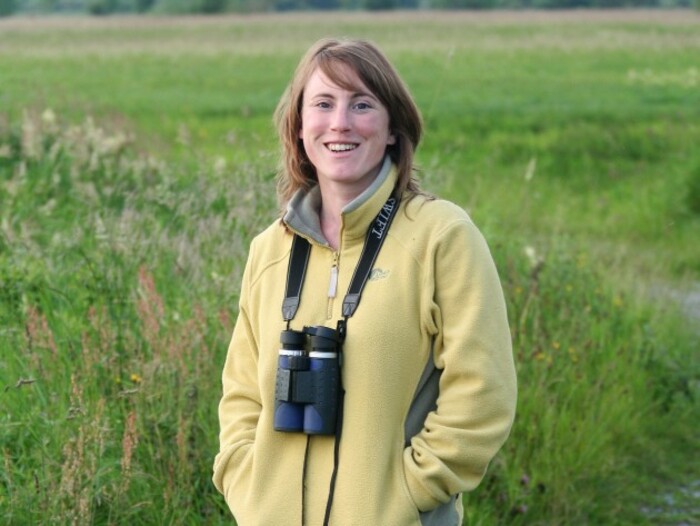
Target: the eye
(362, 106)
(322, 104)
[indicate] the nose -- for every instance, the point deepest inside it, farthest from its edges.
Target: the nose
(341, 119)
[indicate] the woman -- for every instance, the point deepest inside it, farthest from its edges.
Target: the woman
(426, 391)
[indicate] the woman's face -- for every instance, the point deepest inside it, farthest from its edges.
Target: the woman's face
(345, 133)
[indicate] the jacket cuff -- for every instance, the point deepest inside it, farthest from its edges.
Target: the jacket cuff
(422, 498)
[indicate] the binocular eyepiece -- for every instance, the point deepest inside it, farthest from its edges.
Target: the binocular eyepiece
(307, 388)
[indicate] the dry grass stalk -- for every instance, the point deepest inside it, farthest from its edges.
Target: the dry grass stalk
(181, 440)
(7, 463)
(188, 345)
(98, 346)
(150, 309)
(81, 455)
(226, 322)
(130, 440)
(39, 336)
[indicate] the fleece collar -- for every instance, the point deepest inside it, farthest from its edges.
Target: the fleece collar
(303, 210)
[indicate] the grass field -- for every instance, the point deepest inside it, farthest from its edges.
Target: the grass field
(137, 161)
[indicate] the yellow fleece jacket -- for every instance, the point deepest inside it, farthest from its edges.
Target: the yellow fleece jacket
(427, 369)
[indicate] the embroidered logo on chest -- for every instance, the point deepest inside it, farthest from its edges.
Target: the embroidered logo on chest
(378, 273)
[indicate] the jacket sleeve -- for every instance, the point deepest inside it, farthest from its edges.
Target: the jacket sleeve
(240, 405)
(477, 388)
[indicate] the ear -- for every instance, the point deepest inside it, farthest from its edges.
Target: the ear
(301, 132)
(391, 140)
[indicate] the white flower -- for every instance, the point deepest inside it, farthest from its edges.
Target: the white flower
(48, 117)
(530, 170)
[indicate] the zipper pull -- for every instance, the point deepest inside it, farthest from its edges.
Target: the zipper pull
(333, 285)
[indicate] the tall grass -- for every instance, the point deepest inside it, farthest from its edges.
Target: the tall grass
(125, 219)
(119, 284)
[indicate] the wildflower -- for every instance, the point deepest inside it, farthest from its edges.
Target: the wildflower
(136, 378)
(531, 254)
(49, 122)
(573, 355)
(31, 138)
(544, 357)
(536, 261)
(556, 345)
(530, 170)
(219, 165)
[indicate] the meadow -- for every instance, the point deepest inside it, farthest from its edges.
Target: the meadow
(137, 161)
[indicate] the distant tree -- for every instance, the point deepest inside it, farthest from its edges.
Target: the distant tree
(212, 6)
(379, 5)
(324, 5)
(101, 7)
(7, 7)
(143, 6)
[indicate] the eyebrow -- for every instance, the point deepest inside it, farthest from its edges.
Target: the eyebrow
(355, 95)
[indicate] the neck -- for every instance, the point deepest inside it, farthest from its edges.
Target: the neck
(332, 205)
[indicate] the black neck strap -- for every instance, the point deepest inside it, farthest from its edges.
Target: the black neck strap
(299, 258)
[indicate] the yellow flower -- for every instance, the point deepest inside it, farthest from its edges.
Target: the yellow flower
(556, 345)
(544, 357)
(573, 354)
(135, 378)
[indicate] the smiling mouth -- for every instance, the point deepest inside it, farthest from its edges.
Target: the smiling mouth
(341, 146)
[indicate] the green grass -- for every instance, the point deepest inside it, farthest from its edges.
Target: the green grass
(125, 220)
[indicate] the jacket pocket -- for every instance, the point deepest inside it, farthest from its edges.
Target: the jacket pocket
(406, 493)
(237, 478)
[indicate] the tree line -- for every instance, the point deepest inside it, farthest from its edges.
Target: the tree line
(105, 7)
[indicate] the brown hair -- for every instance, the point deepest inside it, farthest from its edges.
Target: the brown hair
(332, 57)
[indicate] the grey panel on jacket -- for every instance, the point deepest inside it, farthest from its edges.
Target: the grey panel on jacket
(443, 515)
(425, 401)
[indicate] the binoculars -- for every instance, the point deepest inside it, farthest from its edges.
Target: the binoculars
(307, 387)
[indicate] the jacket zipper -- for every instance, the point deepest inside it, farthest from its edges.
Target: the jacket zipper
(332, 286)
